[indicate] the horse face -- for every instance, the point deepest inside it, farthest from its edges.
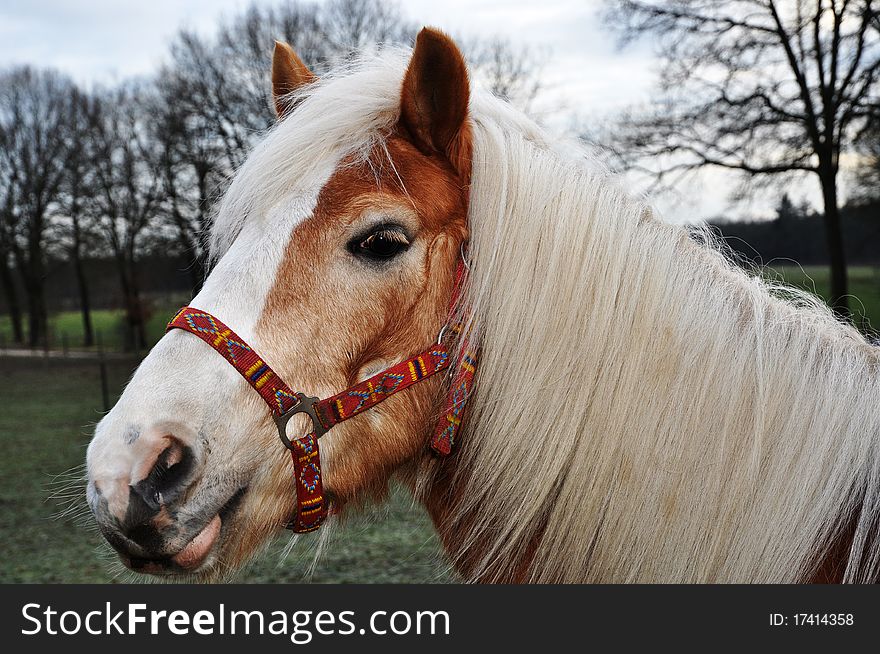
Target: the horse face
(336, 282)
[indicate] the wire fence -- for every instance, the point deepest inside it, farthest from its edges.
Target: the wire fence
(60, 348)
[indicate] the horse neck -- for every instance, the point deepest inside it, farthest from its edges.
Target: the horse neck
(675, 423)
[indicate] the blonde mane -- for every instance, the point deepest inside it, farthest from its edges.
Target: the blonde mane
(644, 411)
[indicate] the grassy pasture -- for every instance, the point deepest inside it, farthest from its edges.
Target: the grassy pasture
(45, 425)
(66, 326)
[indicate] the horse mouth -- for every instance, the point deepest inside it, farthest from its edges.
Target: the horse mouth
(191, 557)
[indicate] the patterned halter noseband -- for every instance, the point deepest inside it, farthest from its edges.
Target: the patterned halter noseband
(324, 414)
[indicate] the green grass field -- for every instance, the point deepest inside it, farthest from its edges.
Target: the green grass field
(67, 326)
(48, 412)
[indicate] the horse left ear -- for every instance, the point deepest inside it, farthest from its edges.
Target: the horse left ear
(288, 74)
(434, 99)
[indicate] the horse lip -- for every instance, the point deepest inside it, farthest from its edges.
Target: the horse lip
(190, 562)
(197, 550)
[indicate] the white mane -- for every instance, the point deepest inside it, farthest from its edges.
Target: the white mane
(644, 411)
(663, 415)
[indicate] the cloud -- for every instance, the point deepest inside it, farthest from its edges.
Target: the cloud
(100, 40)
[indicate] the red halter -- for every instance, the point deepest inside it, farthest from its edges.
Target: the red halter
(285, 403)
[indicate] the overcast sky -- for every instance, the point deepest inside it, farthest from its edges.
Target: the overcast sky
(106, 40)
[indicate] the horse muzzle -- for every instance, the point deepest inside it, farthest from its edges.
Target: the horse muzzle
(146, 503)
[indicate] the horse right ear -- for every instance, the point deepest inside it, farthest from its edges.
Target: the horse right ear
(434, 99)
(289, 73)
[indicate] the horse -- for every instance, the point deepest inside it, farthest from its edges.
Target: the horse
(643, 410)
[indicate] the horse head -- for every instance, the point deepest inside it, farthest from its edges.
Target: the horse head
(335, 257)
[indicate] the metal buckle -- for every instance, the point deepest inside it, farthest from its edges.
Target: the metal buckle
(305, 404)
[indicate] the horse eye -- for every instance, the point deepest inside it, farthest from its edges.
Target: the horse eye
(384, 243)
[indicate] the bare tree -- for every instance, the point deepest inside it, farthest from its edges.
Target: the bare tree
(193, 165)
(760, 87)
(225, 80)
(353, 25)
(208, 86)
(128, 186)
(32, 161)
(867, 174)
(511, 72)
(7, 271)
(213, 104)
(76, 198)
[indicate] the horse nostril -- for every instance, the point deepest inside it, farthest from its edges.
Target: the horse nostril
(167, 476)
(165, 467)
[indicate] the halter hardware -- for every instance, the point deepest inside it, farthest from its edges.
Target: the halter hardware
(306, 404)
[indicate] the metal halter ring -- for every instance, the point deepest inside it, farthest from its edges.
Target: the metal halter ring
(305, 404)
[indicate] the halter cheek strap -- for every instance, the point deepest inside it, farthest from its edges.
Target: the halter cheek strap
(285, 403)
(443, 440)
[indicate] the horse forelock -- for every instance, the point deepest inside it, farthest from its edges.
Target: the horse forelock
(346, 113)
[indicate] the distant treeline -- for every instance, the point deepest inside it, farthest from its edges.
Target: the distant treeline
(797, 235)
(164, 279)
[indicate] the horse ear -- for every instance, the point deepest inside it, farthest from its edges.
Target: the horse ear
(434, 99)
(288, 74)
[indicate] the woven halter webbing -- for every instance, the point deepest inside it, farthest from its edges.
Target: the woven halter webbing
(443, 440)
(305, 454)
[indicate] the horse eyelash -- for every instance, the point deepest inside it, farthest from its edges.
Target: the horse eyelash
(391, 231)
(391, 234)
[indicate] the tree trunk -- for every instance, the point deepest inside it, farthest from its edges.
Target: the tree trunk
(138, 312)
(834, 240)
(13, 305)
(37, 315)
(34, 281)
(135, 332)
(32, 275)
(137, 319)
(84, 303)
(81, 281)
